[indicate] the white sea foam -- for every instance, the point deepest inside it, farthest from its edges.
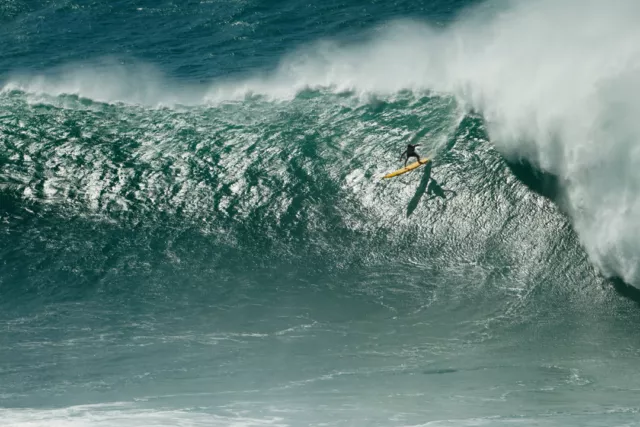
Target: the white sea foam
(125, 414)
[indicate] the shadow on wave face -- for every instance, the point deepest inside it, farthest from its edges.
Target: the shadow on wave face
(542, 183)
(626, 290)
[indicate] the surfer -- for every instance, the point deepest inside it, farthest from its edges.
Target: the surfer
(410, 152)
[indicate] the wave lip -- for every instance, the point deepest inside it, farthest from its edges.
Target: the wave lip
(108, 80)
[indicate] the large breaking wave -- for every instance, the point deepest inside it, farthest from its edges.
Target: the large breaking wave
(554, 81)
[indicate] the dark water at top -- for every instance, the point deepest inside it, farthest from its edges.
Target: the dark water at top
(190, 40)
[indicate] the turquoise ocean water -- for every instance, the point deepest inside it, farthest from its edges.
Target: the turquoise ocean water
(194, 230)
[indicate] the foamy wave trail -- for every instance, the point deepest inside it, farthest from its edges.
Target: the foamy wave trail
(127, 414)
(106, 80)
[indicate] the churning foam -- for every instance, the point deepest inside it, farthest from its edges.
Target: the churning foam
(557, 82)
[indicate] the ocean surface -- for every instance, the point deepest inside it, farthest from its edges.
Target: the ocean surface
(194, 230)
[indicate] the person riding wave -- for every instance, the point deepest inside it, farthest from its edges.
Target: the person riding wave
(410, 152)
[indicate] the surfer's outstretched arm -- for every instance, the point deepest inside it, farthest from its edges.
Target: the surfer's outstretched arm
(403, 153)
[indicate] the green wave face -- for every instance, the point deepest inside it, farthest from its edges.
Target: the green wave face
(267, 183)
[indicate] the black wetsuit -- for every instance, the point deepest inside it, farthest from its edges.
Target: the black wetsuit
(410, 152)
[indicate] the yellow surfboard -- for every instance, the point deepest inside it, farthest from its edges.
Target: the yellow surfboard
(406, 169)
